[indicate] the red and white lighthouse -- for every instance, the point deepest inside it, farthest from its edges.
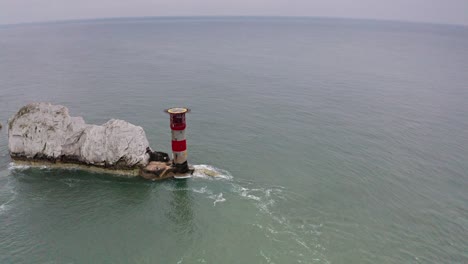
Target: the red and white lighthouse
(179, 144)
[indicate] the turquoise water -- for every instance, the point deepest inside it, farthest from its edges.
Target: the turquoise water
(339, 141)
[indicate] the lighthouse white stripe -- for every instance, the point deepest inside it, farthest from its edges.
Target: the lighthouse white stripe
(179, 157)
(178, 135)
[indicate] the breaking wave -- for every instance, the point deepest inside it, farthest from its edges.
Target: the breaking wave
(210, 172)
(13, 166)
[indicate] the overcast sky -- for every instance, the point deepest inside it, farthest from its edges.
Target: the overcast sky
(435, 11)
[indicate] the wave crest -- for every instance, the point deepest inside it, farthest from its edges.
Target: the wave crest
(210, 172)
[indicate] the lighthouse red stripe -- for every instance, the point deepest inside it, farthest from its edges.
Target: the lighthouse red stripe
(179, 145)
(178, 126)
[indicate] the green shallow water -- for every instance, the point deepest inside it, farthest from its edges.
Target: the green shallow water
(339, 141)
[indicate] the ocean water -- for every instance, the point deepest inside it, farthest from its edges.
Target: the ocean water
(338, 141)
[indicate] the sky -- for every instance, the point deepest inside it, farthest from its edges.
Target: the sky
(433, 11)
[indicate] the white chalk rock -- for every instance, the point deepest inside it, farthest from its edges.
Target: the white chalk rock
(123, 143)
(46, 131)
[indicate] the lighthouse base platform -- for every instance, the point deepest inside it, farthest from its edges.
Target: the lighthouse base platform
(158, 170)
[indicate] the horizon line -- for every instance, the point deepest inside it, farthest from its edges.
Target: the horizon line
(75, 20)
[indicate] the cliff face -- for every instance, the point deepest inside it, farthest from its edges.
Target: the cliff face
(45, 131)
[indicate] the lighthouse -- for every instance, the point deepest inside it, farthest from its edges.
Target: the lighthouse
(179, 144)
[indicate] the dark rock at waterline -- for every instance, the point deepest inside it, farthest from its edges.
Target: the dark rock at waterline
(158, 156)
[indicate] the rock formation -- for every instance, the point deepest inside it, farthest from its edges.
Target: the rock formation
(42, 131)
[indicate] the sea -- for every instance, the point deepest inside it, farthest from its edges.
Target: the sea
(335, 140)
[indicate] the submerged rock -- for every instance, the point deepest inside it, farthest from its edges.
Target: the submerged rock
(42, 131)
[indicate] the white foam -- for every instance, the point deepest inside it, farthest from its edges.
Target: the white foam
(6, 205)
(244, 192)
(13, 166)
(201, 190)
(261, 195)
(268, 260)
(210, 172)
(218, 198)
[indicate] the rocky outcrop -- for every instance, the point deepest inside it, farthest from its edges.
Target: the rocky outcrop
(42, 131)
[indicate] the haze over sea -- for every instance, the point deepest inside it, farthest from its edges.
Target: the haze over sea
(339, 141)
